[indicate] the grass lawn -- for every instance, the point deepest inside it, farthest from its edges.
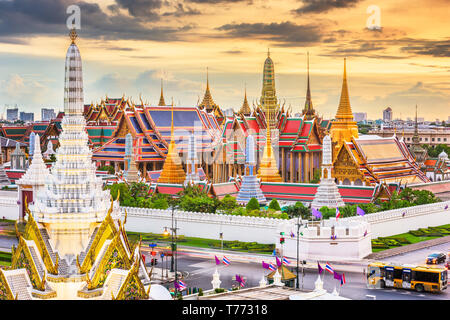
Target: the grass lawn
(203, 243)
(410, 238)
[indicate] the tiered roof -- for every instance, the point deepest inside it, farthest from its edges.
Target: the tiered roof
(384, 160)
(151, 129)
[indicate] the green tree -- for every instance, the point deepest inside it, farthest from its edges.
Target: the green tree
(316, 176)
(298, 209)
(274, 205)
(228, 204)
(252, 205)
(139, 189)
(124, 192)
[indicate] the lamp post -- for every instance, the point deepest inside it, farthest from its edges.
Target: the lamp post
(299, 224)
(173, 260)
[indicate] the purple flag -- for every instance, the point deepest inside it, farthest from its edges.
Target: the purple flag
(360, 211)
(176, 285)
(316, 213)
(238, 278)
(446, 207)
(365, 233)
(217, 260)
(278, 262)
(403, 214)
(265, 265)
(320, 268)
(337, 276)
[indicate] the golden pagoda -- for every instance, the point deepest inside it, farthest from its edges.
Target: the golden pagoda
(268, 99)
(268, 169)
(343, 128)
(245, 109)
(161, 98)
(172, 171)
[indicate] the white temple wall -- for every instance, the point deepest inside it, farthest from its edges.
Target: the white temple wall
(9, 207)
(203, 225)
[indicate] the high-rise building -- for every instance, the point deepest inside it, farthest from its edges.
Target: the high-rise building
(387, 114)
(12, 114)
(27, 116)
(47, 114)
(360, 116)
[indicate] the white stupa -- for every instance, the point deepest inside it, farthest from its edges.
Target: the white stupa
(73, 198)
(327, 193)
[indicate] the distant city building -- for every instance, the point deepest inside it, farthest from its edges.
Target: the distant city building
(12, 114)
(47, 114)
(387, 114)
(27, 116)
(430, 136)
(360, 116)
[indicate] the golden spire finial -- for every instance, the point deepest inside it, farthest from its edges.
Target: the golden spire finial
(268, 52)
(171, 124)
(207, 79)
(73, 35)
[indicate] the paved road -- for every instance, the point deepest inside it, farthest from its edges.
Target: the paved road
(419, 256)
(198, 273)
(198, 268)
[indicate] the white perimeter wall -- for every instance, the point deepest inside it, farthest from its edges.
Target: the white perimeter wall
(203, 225)
(9, 207)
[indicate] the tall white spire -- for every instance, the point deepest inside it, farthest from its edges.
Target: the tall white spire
(73, 197)
(73, 87)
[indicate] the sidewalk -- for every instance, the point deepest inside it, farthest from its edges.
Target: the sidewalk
(408, 248)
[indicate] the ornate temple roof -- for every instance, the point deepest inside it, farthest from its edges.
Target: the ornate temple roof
(269, 101)
(384, 160)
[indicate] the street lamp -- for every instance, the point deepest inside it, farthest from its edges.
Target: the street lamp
(299, 224)
(173, 261)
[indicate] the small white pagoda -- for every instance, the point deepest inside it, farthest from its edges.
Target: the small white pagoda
(327, 194)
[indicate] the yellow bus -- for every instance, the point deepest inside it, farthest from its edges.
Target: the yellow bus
(414, 277)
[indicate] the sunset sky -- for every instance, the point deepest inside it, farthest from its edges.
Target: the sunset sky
(127, 46)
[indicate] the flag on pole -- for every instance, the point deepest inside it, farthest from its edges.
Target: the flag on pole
(292, 235)
(179, 285)
(316, 213)
(360, 211)
(286, 262)
(265, 265)
(225, 261)
(365, 233)
(403, 214)
(343, 279)
(329, 268)
(336, 275)
(217, 260)
(272, 267)
(274, 253)
(338, 213)
(278, 262)
(240, 280)
(446, 207)
(319, 267)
